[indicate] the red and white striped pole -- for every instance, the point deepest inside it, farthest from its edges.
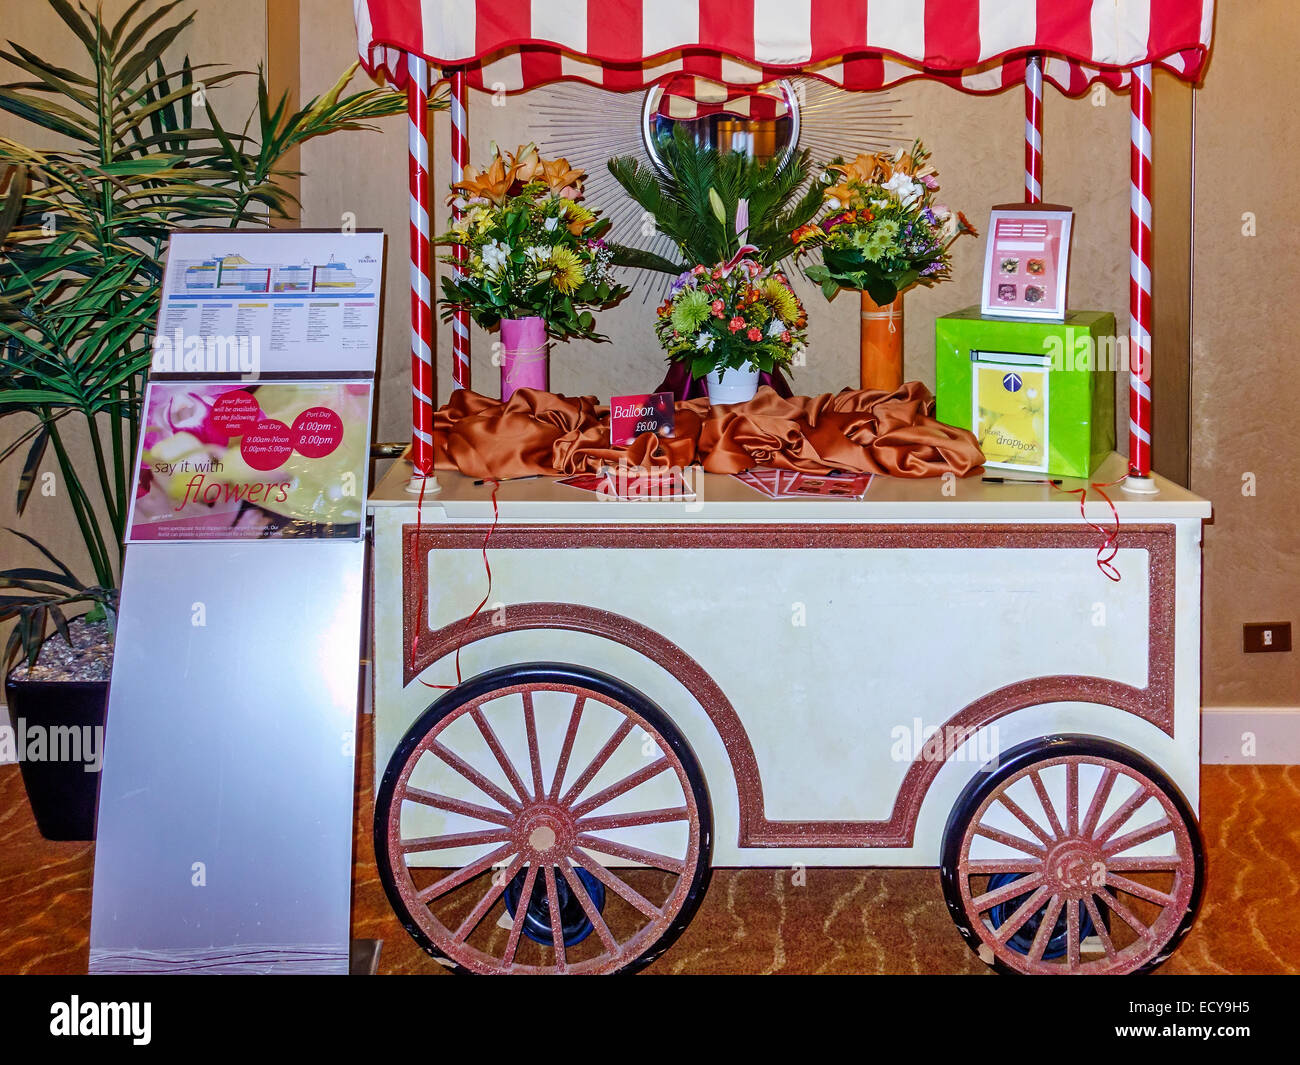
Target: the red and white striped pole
(1140, 318)
(1033, 130)
(459, 159)
(422, 369)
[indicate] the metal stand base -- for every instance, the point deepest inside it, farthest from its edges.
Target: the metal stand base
(1144, 486)
(363, 957)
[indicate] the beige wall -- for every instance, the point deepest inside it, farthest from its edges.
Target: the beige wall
(1242, 396)
(1245, 386)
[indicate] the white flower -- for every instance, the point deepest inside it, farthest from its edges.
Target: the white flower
(550, 224)
(902, 186)
(775, 327)
(704, 342)
(537, 253)
(495, 255)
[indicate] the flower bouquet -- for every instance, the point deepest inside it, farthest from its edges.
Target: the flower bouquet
(881, 231)
(737, 316)
(530, 258)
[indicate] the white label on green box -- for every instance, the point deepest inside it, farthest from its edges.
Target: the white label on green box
(1009, 409)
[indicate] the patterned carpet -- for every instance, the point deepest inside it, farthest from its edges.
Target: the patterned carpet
(753, 920)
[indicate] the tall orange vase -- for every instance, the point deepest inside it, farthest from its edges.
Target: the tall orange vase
(882, 344)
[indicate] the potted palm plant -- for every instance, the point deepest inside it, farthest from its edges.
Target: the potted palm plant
(730, 314)
(83, 230)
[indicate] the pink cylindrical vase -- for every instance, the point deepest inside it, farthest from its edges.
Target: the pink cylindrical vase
(524, 355)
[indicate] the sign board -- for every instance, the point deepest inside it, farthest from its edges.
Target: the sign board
(224, 841)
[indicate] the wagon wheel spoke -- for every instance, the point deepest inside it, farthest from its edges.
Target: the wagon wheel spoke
(1026, 910)
(1018, 812)
(638, 778)
(1098, 927)
(594, 915)
(1046, 800)
(989, 866)
(627, 893)
(1045, 929)
(534, 752)
(557, 926)
(1141, 835)
(1007, 892)
(1117, 819)
(566, 750)
(593, 767)
(1132, 887)
(454, 839)
(1098, 803)
(499, 753)
(1071, 798)
(1008, 840)
(474, 776)
(495, 887)
(1139, 863)
(1072, 935)
(1124, 914)
(457, 806)
(521, 914)
(633, 820)
(632, 854)
(464, 874)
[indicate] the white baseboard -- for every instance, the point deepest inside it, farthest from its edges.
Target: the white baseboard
(1250, 735)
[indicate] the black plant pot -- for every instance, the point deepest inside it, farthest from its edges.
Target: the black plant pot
(63, 792)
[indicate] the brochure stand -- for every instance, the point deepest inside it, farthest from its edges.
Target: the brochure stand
(225, 816)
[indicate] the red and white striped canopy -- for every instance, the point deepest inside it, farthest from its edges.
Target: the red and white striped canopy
(974, 45)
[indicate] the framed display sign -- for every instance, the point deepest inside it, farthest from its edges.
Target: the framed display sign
(1026, 261)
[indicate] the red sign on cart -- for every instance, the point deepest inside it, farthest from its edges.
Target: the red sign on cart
(630, 416)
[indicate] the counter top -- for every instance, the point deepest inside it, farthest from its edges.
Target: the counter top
(723, 498)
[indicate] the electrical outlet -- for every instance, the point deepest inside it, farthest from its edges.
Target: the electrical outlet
(1266, 636)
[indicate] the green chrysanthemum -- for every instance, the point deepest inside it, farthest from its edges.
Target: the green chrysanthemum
(690, 311)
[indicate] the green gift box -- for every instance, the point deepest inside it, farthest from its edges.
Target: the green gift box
(1039, 396)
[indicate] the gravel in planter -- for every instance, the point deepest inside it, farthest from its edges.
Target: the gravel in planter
(89, 658)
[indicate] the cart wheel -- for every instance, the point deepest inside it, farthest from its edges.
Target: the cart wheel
(1071, 854)
(566, 815)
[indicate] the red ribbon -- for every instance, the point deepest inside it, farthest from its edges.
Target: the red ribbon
(419, 610)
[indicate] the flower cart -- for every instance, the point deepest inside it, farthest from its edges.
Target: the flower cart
(632, 692)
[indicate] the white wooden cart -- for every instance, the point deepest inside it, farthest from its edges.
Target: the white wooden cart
(657, 688)
(916, 679)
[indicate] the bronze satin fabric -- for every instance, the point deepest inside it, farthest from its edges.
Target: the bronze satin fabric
(890, 433)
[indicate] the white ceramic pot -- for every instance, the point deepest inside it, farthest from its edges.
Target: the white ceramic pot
(738, 386)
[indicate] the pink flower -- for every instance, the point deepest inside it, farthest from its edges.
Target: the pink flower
(755, 334)
(785, 337)
(717, 308)
(699, 270)
(191, 412)
(736, 325)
